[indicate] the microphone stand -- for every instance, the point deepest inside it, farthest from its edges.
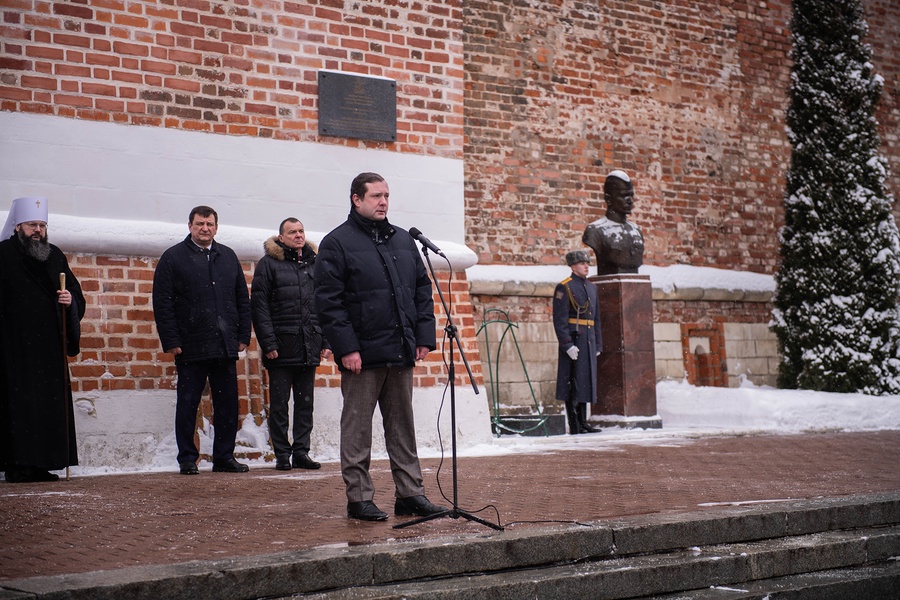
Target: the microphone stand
(450, 329)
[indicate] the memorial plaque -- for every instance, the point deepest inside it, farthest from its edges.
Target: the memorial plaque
(355, 106)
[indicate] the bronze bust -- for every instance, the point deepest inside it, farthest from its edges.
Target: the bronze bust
(618, 244)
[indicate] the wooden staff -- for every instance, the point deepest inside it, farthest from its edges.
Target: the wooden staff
(62, 287)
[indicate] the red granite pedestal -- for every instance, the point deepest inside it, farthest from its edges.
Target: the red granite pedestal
(626, 373)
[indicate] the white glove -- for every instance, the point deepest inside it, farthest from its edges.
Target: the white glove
(573, 352)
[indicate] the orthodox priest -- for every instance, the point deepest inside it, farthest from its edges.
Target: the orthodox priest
(37, 427)
(576, 320)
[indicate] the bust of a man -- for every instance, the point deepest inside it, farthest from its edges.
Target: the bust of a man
(618, 244)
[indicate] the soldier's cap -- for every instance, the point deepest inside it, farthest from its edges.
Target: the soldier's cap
(577, 256)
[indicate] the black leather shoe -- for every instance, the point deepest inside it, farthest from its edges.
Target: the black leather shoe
(585, 428)
(416, 505)
(365, 511)
(188, 468)
(282, 463)
(230, 466)
(29, 475)
(303, 461)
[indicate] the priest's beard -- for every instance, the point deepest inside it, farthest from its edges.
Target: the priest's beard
(36, 249)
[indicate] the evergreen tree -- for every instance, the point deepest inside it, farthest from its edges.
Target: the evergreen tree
(836, 316)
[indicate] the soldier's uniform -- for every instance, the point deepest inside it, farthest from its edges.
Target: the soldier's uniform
(576, 320)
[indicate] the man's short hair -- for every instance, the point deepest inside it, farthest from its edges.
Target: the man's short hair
(360, 184)
(203, 211)
(288, 220)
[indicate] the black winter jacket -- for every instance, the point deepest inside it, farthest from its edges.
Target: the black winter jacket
(283, 306)
(373, 294)
(201, 305)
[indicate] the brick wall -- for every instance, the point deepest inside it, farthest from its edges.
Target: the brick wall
(686, 96)
(120, 349)
(246, 67)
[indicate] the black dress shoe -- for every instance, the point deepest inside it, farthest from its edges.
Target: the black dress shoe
(416, 505)
(188, 468)
(585, 428)
(282, 463)
(230, 466)
(365, 511)
(29, 475)
(303, 461)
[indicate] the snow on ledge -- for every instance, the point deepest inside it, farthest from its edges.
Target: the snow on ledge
(116, 237)
(681, 281)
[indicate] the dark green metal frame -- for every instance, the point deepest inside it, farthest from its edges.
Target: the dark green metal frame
(498, 425)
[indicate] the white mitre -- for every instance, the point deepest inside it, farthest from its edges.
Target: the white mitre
(30, 208)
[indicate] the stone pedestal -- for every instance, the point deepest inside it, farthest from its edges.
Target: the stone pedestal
(626, 369)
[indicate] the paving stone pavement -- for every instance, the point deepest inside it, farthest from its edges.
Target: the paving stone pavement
(112, 521)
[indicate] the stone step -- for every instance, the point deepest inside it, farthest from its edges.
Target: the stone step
(655, 554)
(879, 581)
(837, 560)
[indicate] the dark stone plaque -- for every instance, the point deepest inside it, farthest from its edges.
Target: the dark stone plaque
(357, 107)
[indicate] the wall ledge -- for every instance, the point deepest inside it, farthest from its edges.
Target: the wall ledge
(670, 283)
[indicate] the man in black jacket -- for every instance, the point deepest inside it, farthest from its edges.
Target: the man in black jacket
(288, 332)
(202, 312)
(375, 304)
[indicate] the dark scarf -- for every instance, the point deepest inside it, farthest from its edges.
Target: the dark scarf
(380, 231)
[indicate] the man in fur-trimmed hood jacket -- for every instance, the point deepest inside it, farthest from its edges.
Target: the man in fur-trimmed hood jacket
(282, 301)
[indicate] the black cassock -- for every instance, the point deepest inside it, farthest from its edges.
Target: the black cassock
(35, 394)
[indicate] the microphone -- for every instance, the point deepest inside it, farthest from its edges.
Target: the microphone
(425, 241)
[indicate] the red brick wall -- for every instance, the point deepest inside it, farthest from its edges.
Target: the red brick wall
(120, 349)
(246, 67)
(686, 96)
(708, 312)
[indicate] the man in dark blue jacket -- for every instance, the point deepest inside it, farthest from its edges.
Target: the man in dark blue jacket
(202, 312)
(375, 304)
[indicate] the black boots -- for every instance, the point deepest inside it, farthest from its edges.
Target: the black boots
(584, 426)
(188, 467)
(303, 461)
(229, 466)
(577, 418)
(416, 505)
(365, 511)
(299, 461)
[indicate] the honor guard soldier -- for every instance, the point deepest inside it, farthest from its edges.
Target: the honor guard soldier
(576, 319)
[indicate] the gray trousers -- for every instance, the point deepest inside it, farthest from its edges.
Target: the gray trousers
(391, 389)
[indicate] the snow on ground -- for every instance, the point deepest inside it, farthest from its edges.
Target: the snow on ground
(690, 412)
(687, 413)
